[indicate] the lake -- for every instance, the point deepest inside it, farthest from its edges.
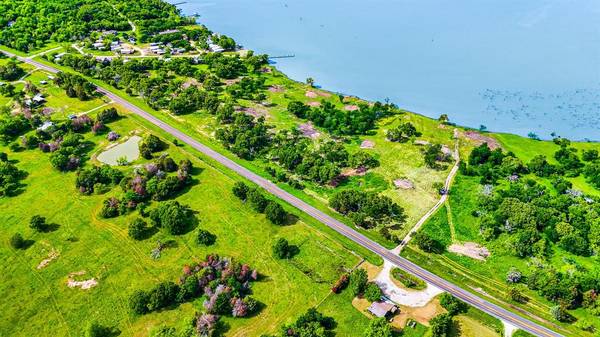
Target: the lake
(511, 65)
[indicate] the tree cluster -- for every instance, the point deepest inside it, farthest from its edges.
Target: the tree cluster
(274, 212)
(11, 71)
(224, 282)
(97, 179)
(75, 85)
(402, 133)
(338, 122)
(10, 177)
(368, 209)
(310, 324)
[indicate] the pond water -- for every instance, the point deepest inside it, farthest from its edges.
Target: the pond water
(128, 149)
(512, 65)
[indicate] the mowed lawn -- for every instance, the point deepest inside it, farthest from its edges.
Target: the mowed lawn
(38, 301)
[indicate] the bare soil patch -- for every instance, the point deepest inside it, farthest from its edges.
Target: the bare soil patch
(314, 104)
(479, 139)
(470, 249)
(421, 142)
(308, 130)
(232, 81)
(367, 144)
(254, 112)
(190, 82)
(85, 284)
(311, 94)
(446, 150)
(52, 255)
(352, 172)
(404, 184)
(351, 107)
(420, 314)
(276, 88)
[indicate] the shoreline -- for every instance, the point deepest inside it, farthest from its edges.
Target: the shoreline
(468, 122)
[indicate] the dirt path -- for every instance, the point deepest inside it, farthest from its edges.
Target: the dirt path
(435, 207)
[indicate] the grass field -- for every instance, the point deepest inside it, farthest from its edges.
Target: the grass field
(488, 277)
(39, 299)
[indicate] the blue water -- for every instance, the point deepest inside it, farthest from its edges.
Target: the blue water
(515, 66)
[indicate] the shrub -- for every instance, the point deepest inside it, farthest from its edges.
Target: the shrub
(407, 279)
(372, 292)
(441, 325)
(453, 304)
(358, 281)
(17, 241)
(38, 223)
(205, 237)
(94, 329)
(340, 284)
(138, 302)
(257, 200)
(107, 115)
(275, 213)
(172, 216)
(427, 243)
(282, 249)
(513, 275)
(378, 327)
(240, 190)
(162, 295)
(137, 229)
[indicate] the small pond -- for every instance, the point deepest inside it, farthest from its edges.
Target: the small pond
(128, 149)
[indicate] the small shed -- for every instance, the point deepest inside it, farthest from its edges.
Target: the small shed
(383, 309)
(38, 98)
(46, 126)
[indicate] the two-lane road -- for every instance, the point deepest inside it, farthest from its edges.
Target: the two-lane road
(466, 296)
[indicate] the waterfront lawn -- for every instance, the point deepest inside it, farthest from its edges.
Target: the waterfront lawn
(39, 299)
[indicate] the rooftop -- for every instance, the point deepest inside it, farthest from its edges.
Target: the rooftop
(382, 309)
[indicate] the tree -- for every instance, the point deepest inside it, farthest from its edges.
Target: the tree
(402, 133)
(358, 281)
(372, 292)
(378, 327)
(427, 243)
(94, 329)
(240, 190)
(17, 241)
(440, 325)
(310, 81)
(137, 229)
(282, 249)
(174, 217)
(138, 302)
(559, 313)
(38, 223)
(275, 213)
(149, 145)
(515, 294)
(205, 238)
(162, 295)
(257, 200)
(453, 304)
(513, 275)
